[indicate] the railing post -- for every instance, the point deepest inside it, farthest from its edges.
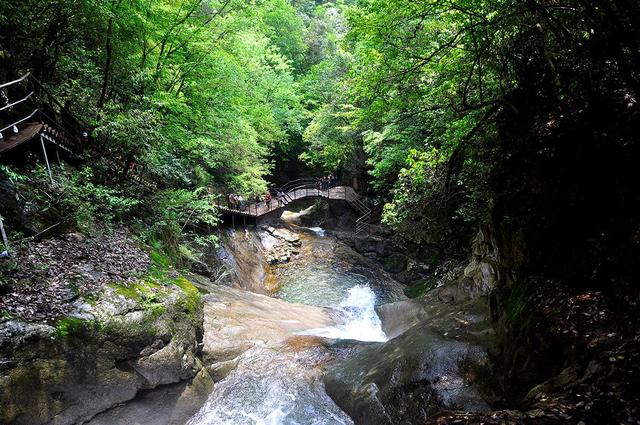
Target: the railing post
(46, 158)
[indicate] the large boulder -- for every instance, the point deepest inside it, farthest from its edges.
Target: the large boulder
(435, 361)
(237, 320)
(85, 365)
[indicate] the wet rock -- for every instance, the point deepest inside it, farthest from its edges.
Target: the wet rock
(219, 370)
(244, 260)
(287, 235)
(394, 263)
(236, 320)
(408, 379)
(279, 245)
(400, 316)
(432, 363)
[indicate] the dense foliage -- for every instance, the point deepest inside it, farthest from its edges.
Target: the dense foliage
(184, 99)
(441, 95)
(513, 120)
(422, 101)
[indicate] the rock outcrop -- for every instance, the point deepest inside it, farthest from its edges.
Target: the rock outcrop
(237, 320)
(241, 253)
(83, 366)
(279, 244)
(407, 263)
(437, 359)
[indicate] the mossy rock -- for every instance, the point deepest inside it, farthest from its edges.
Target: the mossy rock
(420, 287)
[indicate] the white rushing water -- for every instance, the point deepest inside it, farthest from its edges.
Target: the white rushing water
(317, 230)
(271, 388)
(360, 320)
(282, 386)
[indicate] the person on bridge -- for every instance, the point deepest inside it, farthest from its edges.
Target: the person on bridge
(267, 199)
(241, 203)
(280, 198)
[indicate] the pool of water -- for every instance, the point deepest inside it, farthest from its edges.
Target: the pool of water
(327, 270)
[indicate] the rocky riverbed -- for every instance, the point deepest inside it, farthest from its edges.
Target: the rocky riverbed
(302, 328)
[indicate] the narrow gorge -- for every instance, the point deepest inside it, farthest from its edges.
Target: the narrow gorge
(292, 212)
(301, 328)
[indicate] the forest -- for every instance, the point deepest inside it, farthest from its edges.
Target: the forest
(500, 132)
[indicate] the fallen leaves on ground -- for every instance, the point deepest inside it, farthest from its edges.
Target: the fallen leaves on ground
(44, 278)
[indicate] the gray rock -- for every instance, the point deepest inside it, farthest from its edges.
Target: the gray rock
(429, 366)
(287, 235)
(169, 365)
(394, 263)
(61, 379)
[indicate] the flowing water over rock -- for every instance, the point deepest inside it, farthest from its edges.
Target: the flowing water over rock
(266, 352)
(272, 387)
(315, 350)
(359, 320)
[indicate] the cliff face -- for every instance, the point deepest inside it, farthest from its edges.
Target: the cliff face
(559, 252)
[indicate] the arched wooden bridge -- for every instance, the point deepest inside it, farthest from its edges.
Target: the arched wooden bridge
(302, 189)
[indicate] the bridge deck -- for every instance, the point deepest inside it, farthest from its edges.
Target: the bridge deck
(26, 134)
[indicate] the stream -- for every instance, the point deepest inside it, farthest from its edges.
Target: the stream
(315, 348)
(282, 385)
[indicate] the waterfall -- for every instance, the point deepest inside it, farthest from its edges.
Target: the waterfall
(360, 320)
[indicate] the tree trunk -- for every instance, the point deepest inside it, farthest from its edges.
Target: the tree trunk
(109, 54)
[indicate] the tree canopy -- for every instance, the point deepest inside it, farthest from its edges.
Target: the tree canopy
(411, 97)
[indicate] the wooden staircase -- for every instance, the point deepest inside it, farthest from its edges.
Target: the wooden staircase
(38, 113)
(61, 139)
